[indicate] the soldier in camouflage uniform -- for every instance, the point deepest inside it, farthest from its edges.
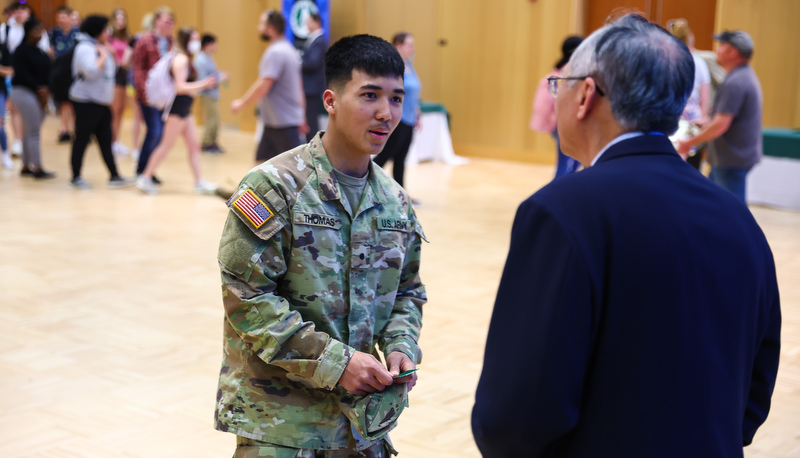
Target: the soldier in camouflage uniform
(320, 268)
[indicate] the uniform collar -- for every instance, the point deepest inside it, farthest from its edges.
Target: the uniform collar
(328, 185)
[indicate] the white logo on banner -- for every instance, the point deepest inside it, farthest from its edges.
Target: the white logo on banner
(297, 17)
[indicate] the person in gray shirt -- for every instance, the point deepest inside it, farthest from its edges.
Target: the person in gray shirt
(209, 98)
(92, 92)
(279, 91)
(735, 128)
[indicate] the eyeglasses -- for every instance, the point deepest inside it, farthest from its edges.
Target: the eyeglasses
(552, 84)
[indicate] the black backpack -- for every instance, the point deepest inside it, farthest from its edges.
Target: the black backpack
(61, 77)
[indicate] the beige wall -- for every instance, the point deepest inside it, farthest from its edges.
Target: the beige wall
(776, 60)
(495, 54)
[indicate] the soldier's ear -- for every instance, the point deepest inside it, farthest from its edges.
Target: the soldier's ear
(328, 101)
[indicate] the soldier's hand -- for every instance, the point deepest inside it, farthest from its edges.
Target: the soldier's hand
(398, 363)
(364, 374)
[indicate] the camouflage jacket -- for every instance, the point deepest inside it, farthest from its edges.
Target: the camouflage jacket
(304, 285)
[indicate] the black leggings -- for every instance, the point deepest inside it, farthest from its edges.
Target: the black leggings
(396, 150)
(92, 119)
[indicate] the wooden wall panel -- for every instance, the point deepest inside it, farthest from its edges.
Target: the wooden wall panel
(420, 19)
(496, 54)
(772, 24)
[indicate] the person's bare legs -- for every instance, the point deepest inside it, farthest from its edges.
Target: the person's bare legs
(117, 110)
(66, 119)
(16, 126)
(173, 128)
(192, 144)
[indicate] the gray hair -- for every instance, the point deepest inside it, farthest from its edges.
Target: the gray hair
(646, 73)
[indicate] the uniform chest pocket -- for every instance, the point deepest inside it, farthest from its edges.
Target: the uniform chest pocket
(388, 246)
(318, 238)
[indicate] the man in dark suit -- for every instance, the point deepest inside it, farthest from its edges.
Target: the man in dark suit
(314, 72)
(638, 312)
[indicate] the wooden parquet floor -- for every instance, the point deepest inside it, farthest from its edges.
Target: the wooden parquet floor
(111, 319)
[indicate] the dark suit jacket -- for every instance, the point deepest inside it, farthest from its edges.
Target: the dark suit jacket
(637, 316)
(314, 66)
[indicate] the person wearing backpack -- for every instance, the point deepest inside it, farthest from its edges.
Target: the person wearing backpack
(148, 50)
(92, 92)
(180, 121)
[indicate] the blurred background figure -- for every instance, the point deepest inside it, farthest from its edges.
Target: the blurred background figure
(698, 106)
(314, 72)
(209, 98)
(62, 39)
(278, 90)
(543, 119)
(398, 143)
(5, 72)
(148, 50)
(12, 33)
(138, 120)
(30, 94)
(119, 43)
(92, 93)
(180, 121)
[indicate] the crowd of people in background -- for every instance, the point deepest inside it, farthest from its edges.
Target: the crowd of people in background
(85, 69)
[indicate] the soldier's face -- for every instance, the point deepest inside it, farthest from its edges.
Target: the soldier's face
(366, 110)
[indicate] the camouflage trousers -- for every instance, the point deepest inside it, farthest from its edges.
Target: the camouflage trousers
(248, 448)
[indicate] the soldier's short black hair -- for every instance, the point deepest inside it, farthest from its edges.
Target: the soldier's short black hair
(369, 54)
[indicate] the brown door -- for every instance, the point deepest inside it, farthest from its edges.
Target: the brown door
(45, 10)
(699, 13)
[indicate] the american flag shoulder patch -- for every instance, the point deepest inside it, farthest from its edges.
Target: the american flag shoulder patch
(253, 208)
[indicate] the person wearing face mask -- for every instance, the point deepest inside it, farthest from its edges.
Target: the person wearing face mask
(180, 120)
(91, 93)
(278, 90)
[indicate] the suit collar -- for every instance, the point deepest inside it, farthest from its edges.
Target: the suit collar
(648, 143)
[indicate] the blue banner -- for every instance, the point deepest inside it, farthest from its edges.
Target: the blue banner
(296, 11)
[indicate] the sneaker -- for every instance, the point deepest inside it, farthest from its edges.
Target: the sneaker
(16, 148)
(212, 149)
(205, 187)
(80, 183)
(146, 185)
(118, 149)
(42, 175)
(7, 162)
(25, 171)
(64, 137)
(120, 182)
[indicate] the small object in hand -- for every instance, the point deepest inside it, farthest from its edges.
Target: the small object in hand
(405, 373)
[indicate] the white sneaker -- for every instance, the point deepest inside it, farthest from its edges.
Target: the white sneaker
(146, 185)
(118, 149)
(205, 187)
(16, 148)
(7, 162)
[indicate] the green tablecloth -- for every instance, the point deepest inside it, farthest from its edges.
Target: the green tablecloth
(433, 107)
(782, 143)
